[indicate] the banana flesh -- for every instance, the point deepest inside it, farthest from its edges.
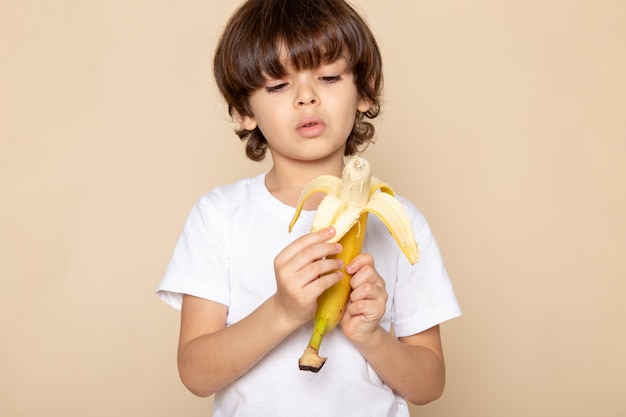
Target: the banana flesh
(352, 194)
(346, 205)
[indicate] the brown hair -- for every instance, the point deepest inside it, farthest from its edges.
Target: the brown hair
(314, 32)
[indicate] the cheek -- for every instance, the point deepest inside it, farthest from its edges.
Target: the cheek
(271, 124)
(347, 109)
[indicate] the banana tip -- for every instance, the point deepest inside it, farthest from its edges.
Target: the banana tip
(311, 361)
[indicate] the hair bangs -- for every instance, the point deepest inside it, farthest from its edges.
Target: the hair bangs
(310, 50)
(301, 42)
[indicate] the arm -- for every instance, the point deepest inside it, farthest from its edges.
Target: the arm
(302, 274)
(412, 366)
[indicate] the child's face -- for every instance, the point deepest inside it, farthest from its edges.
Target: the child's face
(309, 114)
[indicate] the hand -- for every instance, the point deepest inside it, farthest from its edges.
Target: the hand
(368, 299)
(303, 273)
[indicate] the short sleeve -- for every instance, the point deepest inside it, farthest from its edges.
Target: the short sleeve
(200, 262)
(423, 295)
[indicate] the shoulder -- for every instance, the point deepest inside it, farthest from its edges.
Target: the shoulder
(226, 194)
(413, 212)
(225, 202)
(421, 227)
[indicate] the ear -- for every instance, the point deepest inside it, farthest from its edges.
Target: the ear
(363, 104)
(247, 122)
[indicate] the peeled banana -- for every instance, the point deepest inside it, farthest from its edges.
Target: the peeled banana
(346, 205)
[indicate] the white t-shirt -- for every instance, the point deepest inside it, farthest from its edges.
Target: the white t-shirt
(225, 253)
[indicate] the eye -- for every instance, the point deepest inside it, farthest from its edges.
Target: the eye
(276, 87)
(329, 79)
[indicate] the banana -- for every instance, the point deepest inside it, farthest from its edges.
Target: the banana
(346, 205)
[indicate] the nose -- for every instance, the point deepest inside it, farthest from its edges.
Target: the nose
(306, 95)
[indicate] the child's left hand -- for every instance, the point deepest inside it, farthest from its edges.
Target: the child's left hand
(368, 299)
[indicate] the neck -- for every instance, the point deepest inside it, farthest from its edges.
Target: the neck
(287, 179)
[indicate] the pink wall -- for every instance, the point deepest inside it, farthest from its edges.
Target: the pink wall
(504, 121)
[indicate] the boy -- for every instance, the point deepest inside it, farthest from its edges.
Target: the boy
(301, 77)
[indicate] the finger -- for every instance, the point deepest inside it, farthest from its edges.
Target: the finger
(367, 275)
(305, 250)
(367, 309)
(368, 291)
(359, 262)
(315, 259)
(307, 240)
(321, 267)
(324, 282)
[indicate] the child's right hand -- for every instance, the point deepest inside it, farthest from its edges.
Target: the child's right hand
(303, 273)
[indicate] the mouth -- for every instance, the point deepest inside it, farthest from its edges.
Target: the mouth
(310, 127)
(308, 122)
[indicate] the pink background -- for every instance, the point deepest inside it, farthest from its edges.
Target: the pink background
(505, 122)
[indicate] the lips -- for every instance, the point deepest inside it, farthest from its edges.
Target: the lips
(310, 127)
